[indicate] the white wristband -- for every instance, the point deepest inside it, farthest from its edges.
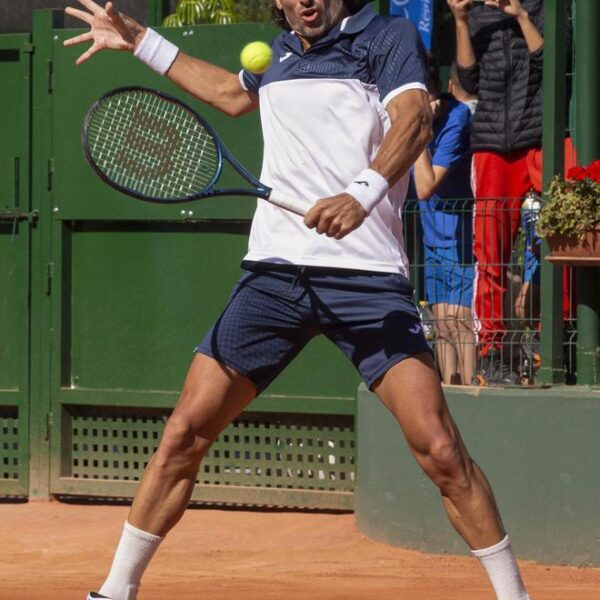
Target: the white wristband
(156, 51)
(368, 188)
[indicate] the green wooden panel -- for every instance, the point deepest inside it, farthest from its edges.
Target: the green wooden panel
(135, 287)
(137, 298)
(161, 286)
(266, 456)
(80, 193)
(14, 263)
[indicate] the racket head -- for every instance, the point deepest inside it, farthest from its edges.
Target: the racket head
(151, 146)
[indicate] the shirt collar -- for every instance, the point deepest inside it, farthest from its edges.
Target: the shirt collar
(348, 26)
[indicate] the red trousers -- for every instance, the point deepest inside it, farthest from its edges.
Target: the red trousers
(499, 183)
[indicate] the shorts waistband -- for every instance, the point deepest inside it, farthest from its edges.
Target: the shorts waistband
(267, 267)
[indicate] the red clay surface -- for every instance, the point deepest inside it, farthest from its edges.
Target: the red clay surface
(54, 551)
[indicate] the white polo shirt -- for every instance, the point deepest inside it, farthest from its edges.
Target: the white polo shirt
(323, 119)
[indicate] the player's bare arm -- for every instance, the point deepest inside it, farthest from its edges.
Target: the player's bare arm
(112, 30)
(409, 134)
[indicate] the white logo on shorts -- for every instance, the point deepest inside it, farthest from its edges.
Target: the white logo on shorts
(416, 329)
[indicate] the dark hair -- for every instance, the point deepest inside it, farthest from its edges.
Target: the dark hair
(279, 19)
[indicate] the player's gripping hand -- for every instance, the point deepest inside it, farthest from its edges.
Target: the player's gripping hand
(108, 29)
(335, 217)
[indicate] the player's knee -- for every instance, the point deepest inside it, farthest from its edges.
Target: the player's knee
(446, 464)
(180, 443)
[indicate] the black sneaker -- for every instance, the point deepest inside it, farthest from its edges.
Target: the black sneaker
(497, 372)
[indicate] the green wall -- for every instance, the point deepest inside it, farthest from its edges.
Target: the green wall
(539, 449)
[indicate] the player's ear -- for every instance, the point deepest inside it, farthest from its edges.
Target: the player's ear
(278, 5)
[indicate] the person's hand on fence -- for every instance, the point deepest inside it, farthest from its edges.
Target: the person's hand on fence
(109, 29)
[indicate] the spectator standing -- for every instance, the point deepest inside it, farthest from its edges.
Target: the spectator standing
(442, 179)
(499, 58)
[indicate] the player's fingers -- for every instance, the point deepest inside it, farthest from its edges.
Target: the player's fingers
(326, 218)
(334, 229)
(118, 22)
(79, 14)
(91, 6)
(311, 217)
(84, 37)
(314, 215)
(87, 54)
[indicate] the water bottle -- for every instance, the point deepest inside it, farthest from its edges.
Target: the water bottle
(530, 212)
(427, 320)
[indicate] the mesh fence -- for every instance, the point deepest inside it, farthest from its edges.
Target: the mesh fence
(479, 294)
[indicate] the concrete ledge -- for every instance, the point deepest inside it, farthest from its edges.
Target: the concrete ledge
(539, 448)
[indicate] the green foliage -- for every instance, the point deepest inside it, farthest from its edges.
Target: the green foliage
(573, 208)
(192, 12)
(222, 12)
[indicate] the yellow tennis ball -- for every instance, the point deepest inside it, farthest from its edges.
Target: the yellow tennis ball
(256, 57)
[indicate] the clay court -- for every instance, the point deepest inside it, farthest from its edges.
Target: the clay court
(55, 551)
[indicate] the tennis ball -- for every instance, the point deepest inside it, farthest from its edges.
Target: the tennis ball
(256, 57)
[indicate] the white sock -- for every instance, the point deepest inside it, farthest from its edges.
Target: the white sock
(133, 554)
(501, 566)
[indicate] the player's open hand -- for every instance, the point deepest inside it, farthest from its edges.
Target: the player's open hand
(108, 29)
(335, 217)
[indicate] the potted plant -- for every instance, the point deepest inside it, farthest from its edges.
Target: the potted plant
(570, 219)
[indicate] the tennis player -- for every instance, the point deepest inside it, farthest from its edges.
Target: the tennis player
(345, 112)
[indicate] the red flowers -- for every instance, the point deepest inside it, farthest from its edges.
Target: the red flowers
(581, 173)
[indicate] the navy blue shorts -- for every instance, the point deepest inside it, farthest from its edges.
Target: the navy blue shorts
(272, 314)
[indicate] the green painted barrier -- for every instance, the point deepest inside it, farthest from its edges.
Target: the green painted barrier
(539, 449)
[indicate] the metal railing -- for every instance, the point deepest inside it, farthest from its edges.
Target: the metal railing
(480, 295)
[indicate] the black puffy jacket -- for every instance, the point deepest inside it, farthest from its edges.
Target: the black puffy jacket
(507, 80)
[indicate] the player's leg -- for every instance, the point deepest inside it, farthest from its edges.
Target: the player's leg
(258, 334)
(213, 395)
(412, 392)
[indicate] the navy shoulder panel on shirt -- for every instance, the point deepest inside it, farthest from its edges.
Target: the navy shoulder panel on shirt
(387, 52)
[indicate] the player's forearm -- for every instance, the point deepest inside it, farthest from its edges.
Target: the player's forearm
(465, 54)
(212, 84)
(406, 139)
(531, 33)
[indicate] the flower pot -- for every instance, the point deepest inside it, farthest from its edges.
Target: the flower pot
(573, 251)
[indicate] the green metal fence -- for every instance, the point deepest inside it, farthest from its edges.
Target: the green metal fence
(16, 224)
(109, 296)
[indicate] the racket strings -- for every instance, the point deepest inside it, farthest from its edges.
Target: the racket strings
(152, 146)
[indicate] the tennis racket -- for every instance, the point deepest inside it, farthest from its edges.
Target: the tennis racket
(153, 147)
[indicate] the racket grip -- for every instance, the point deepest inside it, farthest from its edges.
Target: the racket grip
(300, 207)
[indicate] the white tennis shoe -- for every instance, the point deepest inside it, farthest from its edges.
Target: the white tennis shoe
(97, 596)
